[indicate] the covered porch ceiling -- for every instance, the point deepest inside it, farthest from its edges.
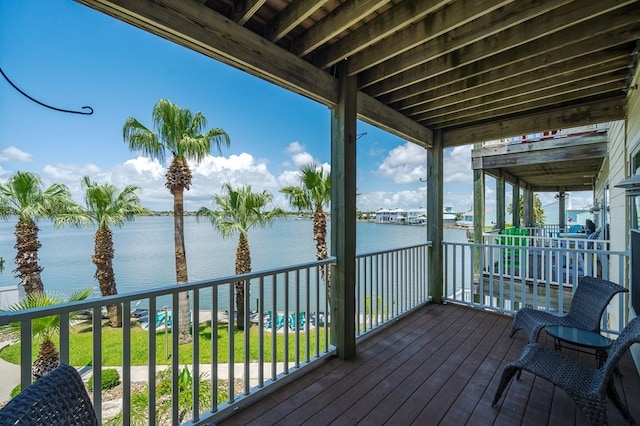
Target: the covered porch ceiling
(554, 165)
(473, 70)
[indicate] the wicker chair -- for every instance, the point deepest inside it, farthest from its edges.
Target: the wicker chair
(589, 302)
(588, 387)
(58, 398)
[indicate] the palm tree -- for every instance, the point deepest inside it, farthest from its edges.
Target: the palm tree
(239, 210)
(179, 132)
(106, 207)
(44, 328)
(313, 194)
(23, 196)
(538, 211)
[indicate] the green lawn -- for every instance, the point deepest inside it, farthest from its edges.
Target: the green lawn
(81, 346)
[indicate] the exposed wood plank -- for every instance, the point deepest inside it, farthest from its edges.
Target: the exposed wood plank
(243, 10)
(543, 145)
(611, 83)
(600, 91)
(383, 25)
(343, 215)
(203, 30)
(439, 365)
(582, 151)
(445, 35)
(435, 174)
(582, 115)
(341, 19)
(291, 17)
(501, 47)
(377, 114)
(494, 69)
(553, 76)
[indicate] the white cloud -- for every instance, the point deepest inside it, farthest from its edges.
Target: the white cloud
(145, 165)
(149, 175)
(302, 158)
(295, 147)
(11, 153)
(289, 178)
(404, 164)
(457, 165)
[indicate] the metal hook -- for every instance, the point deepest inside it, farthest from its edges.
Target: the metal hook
(43, 104)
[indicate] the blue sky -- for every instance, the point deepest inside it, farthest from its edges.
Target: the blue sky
(68, 55)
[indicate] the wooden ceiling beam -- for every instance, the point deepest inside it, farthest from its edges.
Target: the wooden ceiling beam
(292, 16)
(448, 36)
(535, 153)
(384, 25)
(473, 75)
(534, 95)
(530, 80)
(339, 20)
(377, 114)
(587, 113)
(243, 10)
(599, 91)
(203, 30)
(512, 46)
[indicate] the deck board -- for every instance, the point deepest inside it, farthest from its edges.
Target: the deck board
(438, 365)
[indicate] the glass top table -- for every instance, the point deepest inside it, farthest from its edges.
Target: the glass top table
(580, 337)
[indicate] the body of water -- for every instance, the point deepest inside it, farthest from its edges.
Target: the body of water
(144, 250)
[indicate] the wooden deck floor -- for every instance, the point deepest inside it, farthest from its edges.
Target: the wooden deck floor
(439, 365)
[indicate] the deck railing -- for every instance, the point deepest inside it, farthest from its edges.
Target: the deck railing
(291, 319)
(290, 330)
(505, 274)
(389, 284)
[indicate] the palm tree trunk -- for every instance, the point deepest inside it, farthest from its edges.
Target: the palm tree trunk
(320, 236)
(27, 246)
(103, 259)
(184, 314)
(48, 359)
(243, 265)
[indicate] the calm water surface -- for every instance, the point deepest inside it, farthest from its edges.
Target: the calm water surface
(144, 251)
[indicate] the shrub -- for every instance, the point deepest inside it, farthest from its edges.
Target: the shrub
(110, 379)
(15, 391)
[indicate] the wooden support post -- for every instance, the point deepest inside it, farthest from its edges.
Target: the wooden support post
(515, 205)
(500, 201)
(478, 205)
(528, 207)
(562, 210)
(435, 207)
(343, 215)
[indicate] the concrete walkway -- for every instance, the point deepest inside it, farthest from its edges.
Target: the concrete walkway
(9, 376)
(10, 373)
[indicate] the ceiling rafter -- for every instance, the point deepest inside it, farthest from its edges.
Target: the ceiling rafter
(562, 117)
(613, 69)
(532, 102)
(484, 26)
(385, 24)
(492, 70)
(290, 17)
(338, 21)
(462, 90)
(243, 10)
(484, 52)
(447, 31)
(472, 70)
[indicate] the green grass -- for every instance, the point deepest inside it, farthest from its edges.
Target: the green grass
(81, 346)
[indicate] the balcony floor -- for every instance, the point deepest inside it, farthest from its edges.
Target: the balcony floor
(439, 365)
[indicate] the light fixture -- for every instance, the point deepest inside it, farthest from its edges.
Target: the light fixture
(631, 186)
